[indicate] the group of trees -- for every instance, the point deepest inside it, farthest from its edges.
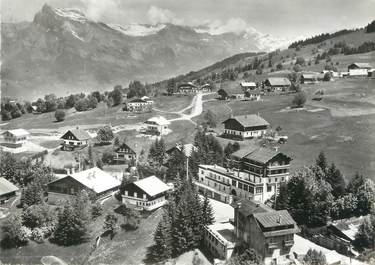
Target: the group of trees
(365, 237)
(318, 193)
(11, 109)
(370, 27)
(182, 224)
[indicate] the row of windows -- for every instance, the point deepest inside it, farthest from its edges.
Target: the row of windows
(149, 203)
(247, 188)
(218, 177)
(276, 179)
(279, 171)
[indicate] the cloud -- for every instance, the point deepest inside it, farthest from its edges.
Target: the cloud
(98, 9)
(235, 25)
(160, 15)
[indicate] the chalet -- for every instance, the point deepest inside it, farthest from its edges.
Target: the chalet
(15, 138)
(270, 233)
(245, 126)
(157, 125)
(359, 69)
(309, 78)
(371, 73)
(187, 148)
(76, 138)
(7, 190)
(186, 88)
(124, 153)
(94, 180)
(138, 105)
(257, 173)
(145, 194)
(248, 85)
(206, 88)
(253, 94)
(277, 83)
(223, 95)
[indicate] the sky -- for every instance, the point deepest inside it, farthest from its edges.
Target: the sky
(282, 18)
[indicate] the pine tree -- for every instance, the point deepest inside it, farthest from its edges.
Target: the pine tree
(32, 194)
(321, 161)
(335, 178)
(116, 141)
(207, 211)
(162, 248)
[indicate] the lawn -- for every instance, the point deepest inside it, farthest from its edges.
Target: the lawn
(344, 127)
(172, 103)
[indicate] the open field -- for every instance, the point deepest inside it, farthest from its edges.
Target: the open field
(342, 124)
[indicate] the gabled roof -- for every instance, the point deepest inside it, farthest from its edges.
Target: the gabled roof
(362, 65)
(137, 100)
(124, 146)
(160, 120)
(188, 84)
(188, 149)
(262, 155)
(95, 179)
(248, 84)
(152, 185)
(79, 134)
(279, 81)
(6, 186)
(18, 132)
(245, 151)
(250, 120)
(274, 219)
(249, 207)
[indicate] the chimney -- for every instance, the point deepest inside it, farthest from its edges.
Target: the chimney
(278, 220)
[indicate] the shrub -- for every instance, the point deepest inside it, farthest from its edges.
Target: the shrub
(60, 115)
(299, 100)
(96, 210)
(14, 234)
(37, 235)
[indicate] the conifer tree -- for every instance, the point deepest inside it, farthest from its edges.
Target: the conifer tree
(321, 161)
(335, 178)
(207, 211)
(162, 249)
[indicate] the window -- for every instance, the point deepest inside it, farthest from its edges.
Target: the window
(245, 187)
(234, 183)
(259, 190)
(269, 188)
(239, 185)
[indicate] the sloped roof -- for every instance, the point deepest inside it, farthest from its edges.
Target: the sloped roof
(79, 134)
(274, 218)
(279, 81)
(188, 84)
(137, 100)
(248, 84)
(18, 132)
(6, 186)
(362, 65)
(124, 146)
(95, 179)
(310, 76)
(152, 185)
(262, 155)
(249, 207)
(250, 120)
(188, 149)
(245, 151)
(160, 120)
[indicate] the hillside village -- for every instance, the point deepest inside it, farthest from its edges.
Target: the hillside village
(263, 158)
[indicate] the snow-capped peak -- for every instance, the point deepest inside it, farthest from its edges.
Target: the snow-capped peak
(136, 29)
(70, 13)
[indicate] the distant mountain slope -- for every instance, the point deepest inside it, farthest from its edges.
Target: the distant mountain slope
(62, 51)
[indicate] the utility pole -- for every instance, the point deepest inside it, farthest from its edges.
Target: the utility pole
(187, 168)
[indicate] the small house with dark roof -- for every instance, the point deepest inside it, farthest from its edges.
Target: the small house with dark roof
(270, 233)
(188, 149)
(359, 69)
(245, 126)
(7, 190)
(277, 83)
(187, 88)
(76, 138)
(124, 153)
(206, 88)
(145, 194)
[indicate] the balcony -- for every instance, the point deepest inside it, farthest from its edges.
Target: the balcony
(288, 243)
(272, 245)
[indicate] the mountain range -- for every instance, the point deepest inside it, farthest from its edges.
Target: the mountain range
(62, 51)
